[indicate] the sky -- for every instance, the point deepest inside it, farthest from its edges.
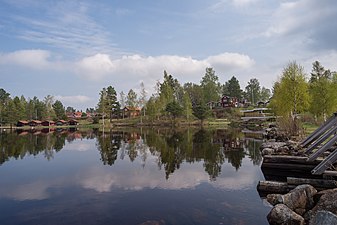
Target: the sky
(73, 49)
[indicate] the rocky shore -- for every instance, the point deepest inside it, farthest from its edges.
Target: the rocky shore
(304, 204)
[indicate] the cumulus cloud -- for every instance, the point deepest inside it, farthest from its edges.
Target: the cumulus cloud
(100, 66)
(35, 59)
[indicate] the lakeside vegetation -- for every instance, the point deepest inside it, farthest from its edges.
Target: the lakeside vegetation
(294, 95)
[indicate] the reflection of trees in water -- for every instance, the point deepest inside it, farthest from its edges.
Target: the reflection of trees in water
(253, 150)
(108, 143)
(19, 144)
(211, 154)
(170, 147)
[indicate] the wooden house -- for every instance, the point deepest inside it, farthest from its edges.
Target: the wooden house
(22, 123)
(73, 122)
(34, 123)
(131, 112)
(229, 102)
(48, 123)
(61, 123)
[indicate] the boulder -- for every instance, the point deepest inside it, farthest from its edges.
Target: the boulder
(324, 218)
(300, 199)
(282, 215)
(274, 199)
(327, 202)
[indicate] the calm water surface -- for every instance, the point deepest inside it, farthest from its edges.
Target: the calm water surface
(130, 177)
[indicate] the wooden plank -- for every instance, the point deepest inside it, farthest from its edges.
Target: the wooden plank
(317, 183)
(289, 159)
(272, 187)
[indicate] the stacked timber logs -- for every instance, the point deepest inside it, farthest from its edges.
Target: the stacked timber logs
(278, 187)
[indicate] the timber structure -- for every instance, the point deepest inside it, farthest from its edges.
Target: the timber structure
(322, 140)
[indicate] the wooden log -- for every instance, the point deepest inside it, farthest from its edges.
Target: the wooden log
(289, 159)
(330, 173)
(272, 187)
(316, 183)
(288, 166)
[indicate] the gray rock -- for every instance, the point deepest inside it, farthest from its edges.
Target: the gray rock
(282, 215)
(283, 150)
(300, 199)
(274, 199)
(324, 218)
(327, 202)
(273, 144)
(268, 151)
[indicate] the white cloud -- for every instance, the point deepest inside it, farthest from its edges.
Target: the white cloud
(222, 5)
(100, 66)
(35, 59)
(230, 61)
(65, 25)
(300, 16)
(240, 3)
(73, 99)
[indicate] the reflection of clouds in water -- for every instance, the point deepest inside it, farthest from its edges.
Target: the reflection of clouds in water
(245, 177)
(31, 191)
(187, 177)
(79, 145)
(134, 176)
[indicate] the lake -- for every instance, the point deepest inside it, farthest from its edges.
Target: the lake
(130, 176)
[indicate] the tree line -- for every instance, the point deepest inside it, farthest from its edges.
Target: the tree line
(171, 98)
(292, 94)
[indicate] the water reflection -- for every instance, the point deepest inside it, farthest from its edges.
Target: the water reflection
(174, 147)
(175, 176)
(170, 147)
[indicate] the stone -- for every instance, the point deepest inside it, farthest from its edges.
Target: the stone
(300, 199)
(282, 215)
(327, 202)
(324, 218)
(273, 144)
(283, 150)
(274, 199)
(268, 151)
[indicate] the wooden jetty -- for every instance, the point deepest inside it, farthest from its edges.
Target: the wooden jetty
(317, 165)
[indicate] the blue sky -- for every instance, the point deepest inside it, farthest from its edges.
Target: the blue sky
(72, 49)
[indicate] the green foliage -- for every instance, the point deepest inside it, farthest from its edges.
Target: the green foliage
(210, 85)
(187, 106)
(174, 109)
(201, 112)
(131, 100)
(195, 93)
(322, 90)
(265, 94)
(59, 110)
(232, 88)
(291, 96)
(108, 103)
(253, 91)
(151, 108)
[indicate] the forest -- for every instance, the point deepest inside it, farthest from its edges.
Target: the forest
(294, 93)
